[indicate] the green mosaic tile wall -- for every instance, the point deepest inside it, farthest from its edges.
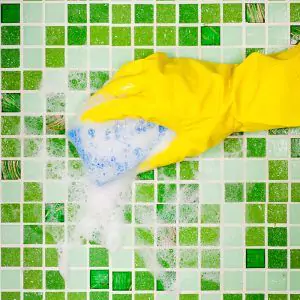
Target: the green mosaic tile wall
(238, 239)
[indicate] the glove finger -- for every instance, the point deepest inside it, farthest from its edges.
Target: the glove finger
(175, 152)
(134, 106)
(123, 86)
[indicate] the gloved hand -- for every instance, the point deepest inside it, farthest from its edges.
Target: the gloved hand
(203, 102)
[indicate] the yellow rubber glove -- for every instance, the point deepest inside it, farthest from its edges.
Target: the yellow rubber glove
(203, 102)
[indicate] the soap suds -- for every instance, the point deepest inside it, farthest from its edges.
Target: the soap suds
(98, 210)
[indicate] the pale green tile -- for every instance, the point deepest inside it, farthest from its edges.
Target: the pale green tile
(121, 56)
(54, 12)
(232, 237)
(78, 257)
(277, 281)
(233, 213)
(211, 193)
(33, 103)
(10, 279)
(232, 35)
(55, 191)
(233, 281)
(278, 35)
(234, 169)
(99, 57)
(77, 280)
(256, 169)
(33, 35)
(211, 54)
(278, 12)
(255, 281)
(10, 191)
(122, 259)
(33, 169)
(189, 280)
(10, 234)
(255, 36)
(77, 57)
(32, 12)
(33, 58)
(233, 258)
(278, 148)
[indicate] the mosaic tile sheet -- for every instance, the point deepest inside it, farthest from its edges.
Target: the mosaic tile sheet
(238, 239)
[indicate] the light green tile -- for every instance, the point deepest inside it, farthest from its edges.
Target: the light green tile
(121, 56)
(233, 213)
(278, 12)
(256, 169)
(233, 281)
(10, 191)
(234, 169)
(211, 54)
(54, 12)
(210, 170)
(77, 280)
(77, 257)
(77, 57)
(294, 169)
(10, 234)
(56, 191)
(233, 258)
(294, 280)
(277, 281)
(233, 55)
(233, 237)
(33, 169)
(255, 281)
(294, 210)
(33, 58)
(99, 57)
(232, 36)
(278, 148)
(32, 103)
(32, 12)
(189, 280)
(211, 193)
(295, 236)
(122, 259)
(33, 35)
(278, 35)
(255, 36)
(10, 279)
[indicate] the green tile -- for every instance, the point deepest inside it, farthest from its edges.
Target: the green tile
(295, 192)
(32, 80)
(210, 36)
(255, 236)
(210, 259)
(188, 13)
(167, 172)
(144, 13)
(165, 13)
(188, 236)
(32, 147)
(188, 213)
(277, 236)
(143, 36)
(295, 147)
(10, 257)
(97, 79)
(121, 281)
(294, 37)
(144, 192)
(77, 80)
(278, 192)
(148, 175)
(33, 234)
(295, 12)
(121, 13)
(33, 125)
(99, 279)
(56, 147)
(278, 169)
(277, 213)
(295, 258)
(255, 12)
(55, 57)
(99, 13)
(188, 258)
(256, 192)
(99, 296)
(255, 297)
(33, 257)
(166, 36)
(51, 257)
(99, 35)
(210, 13)
(10, 213)
(233, 147)
(121, 36)
(234, 192)
(232, 296)
(11, 80)
(11, 102)
(54, 280)
(55, 35)
(256, 147)
(77, 13)
(55, 296)
(56, 103)
(54, 213)
(10, 169)
(255, 213)
(10, 147)
(189, 170)
(33, 296)
(144, 236)
(210, 213)
(144, 281)
(277, 258)
(232, 13)
(32, 213)
(10, 58)
(166, 213)
(210, 236)
(188, 36)
(10, 13)
(255, 258)
(98, 257)
(77, 296)
(11, 296)
(33, 279)
(10, 35)
(210, 281)
(77, 35)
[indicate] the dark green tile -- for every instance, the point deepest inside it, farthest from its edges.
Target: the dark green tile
(210, 36)
(10, 58)
(77, 35)
(10, 35)
(255, 258)
(11, 102)
(277, 236)
(277, 258)
(99, 279)
(144, 13)
(10, 13)
(99, 13)
(256, 147)
(77, 13)
(188, 13)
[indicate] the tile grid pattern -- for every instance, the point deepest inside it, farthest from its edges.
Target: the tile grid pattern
(261, 234)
